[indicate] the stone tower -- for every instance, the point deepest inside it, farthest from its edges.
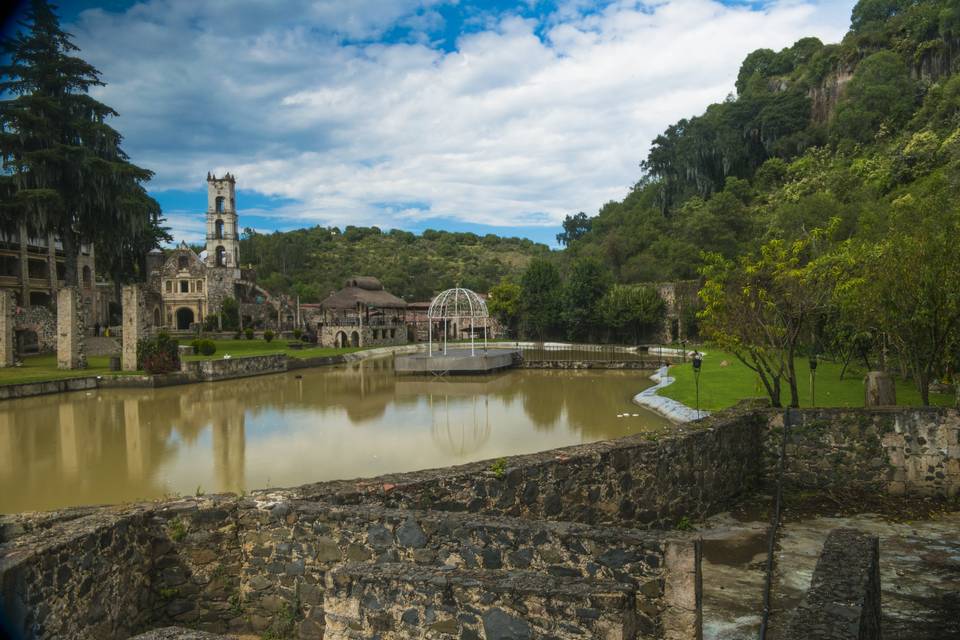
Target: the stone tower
(223, 236)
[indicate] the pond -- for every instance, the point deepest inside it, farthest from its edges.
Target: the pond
(348, 421)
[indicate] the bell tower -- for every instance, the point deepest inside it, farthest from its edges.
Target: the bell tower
(223, 237)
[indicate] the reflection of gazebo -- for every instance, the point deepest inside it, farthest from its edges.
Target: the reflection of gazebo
(457, 306)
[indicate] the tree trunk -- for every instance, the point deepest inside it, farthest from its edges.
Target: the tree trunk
(792, 381)
(923, 382)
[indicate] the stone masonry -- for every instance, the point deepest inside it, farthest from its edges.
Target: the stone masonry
(7, 347)
(570, 543)
(136, 324)
(70, 330)
(844, 597)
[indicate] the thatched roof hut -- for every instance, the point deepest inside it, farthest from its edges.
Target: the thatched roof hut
(362, 291)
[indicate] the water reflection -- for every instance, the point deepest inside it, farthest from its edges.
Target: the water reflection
(357, 420)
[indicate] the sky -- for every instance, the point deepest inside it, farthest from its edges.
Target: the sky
(468, 115)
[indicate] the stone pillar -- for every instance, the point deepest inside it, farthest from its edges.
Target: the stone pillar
(880, 390)
(70, 353)
(6, 328)
(134, 324)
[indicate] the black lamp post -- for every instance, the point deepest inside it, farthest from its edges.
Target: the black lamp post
(683, 349)
(813, 380)
(697, 365)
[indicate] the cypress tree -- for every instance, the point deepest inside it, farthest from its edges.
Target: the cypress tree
(63, 168)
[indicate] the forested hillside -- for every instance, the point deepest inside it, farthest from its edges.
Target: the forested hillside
(313, 262)
(815, 132)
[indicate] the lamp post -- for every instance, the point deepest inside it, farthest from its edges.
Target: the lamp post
(813, 380)
(697, 364)
(683, 350)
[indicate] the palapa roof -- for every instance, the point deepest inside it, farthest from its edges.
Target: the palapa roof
(365, 290)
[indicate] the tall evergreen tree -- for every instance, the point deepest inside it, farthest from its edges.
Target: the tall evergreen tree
(63, 168)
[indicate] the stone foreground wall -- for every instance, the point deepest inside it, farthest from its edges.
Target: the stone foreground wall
(844, 597)
(897, 451)
(224, 564)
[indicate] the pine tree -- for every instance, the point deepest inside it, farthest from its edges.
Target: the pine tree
(63, 168)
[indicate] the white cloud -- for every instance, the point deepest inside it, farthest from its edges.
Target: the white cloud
(509, 129)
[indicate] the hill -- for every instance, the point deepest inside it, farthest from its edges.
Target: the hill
(313, 262)
(815, 132)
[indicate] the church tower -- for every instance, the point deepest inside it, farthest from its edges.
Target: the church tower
(223, 237)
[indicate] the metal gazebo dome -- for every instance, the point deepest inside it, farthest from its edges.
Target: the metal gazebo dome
(458, 305)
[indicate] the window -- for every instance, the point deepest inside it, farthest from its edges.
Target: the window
(169, 286)
(183, 262)
(218, 230)
(87, 278)
(199, 286)
(184, 286)
(221, 259)
(219, 205)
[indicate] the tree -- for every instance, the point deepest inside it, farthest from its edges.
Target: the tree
(586, 283)
(64, 170)
(540, 305)
(905, 284)
(631, 312)
(504, 304)
(881, 94)
(574, 227)
(759, 307)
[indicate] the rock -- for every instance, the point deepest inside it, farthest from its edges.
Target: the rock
(379, 537)
(409, 534)
(498, 625)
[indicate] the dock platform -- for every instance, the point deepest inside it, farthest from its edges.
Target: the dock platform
(457, 361)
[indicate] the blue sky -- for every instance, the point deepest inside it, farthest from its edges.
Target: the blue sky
(493, 117)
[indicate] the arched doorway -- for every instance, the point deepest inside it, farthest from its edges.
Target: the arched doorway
(355, 339)
(341, 340)
(156, 316)
(184, 318)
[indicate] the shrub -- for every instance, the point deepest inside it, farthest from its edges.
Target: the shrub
(268, 335)
(158, 354)
(237, 335)
(297, 333)
(208, 347)
(248, 333)
(196, 346)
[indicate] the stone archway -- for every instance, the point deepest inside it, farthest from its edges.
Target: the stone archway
(355, 339)
(340, 341)
(184, 318)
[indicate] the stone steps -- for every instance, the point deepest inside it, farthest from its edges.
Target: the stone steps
(101, 346)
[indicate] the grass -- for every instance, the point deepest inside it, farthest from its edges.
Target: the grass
(724, 386)
(260, 347)
(43, 368)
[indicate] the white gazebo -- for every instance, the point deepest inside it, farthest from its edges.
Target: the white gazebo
(458, 306)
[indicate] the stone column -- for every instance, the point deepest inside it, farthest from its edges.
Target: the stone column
(134, 324)
(880, 390)
(24, 267)
(6, 328)
(70, 353)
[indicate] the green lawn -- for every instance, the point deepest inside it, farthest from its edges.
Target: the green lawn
(260, 347)
(724, 386)
(42, 368)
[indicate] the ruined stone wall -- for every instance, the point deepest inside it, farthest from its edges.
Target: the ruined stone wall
(844, 597)
(7, 345)
(896, 450)
(635, 481)
(41, 321)
(70, 330)
(83, 575)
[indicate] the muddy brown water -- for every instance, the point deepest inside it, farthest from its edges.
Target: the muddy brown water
(117, 445)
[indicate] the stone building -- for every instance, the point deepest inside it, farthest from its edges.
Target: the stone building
(186, 287)
(361, 314)
(33, 269)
